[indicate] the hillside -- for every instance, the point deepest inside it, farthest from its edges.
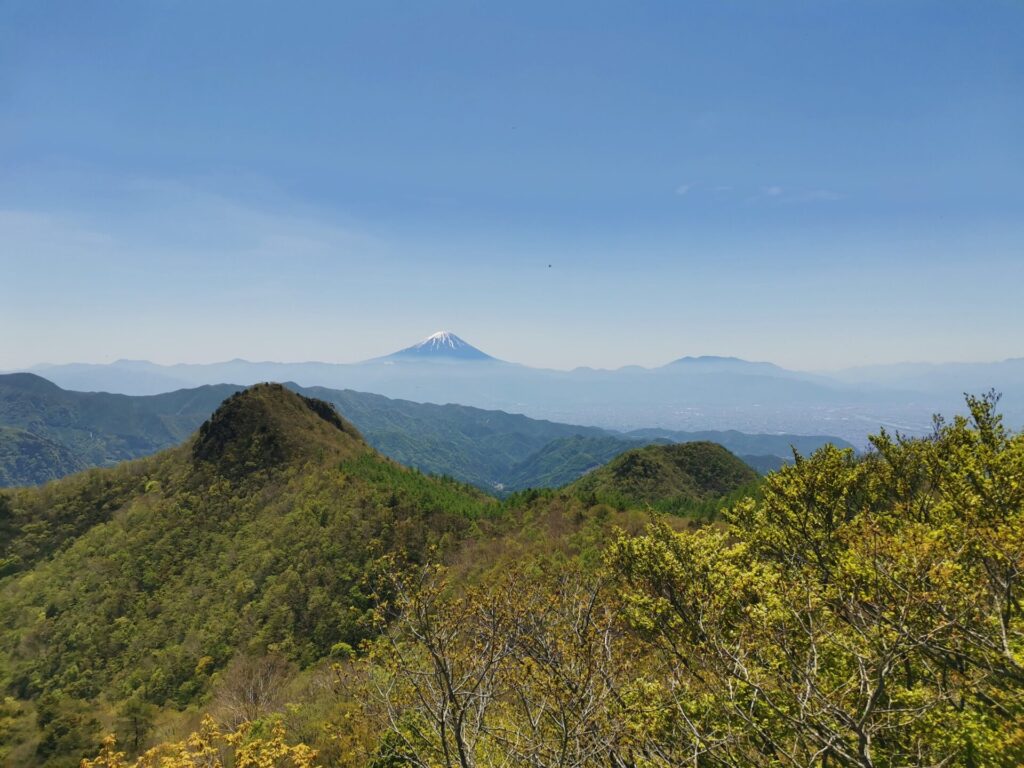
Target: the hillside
(28, 459)
(670, 477)
(743, 443)
(100, 429)
(565, 460)
(279, 575)
(562, 461)
(856, 612)
(492, 450)
(473, 445)
(259, 534)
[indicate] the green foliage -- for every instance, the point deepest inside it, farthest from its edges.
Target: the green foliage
(479, 447)
(28, 459)
(277, 572)
(680, 478)
(564, 460)
(267, 425)
(863, 612)
(859, 612)
(149, 578)
(74, 430)
(68, 732)
(15, 728)
(39, 522)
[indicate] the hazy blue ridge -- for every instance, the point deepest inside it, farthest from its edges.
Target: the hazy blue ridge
(493, 450)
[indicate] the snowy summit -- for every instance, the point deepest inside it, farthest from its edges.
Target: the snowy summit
(443, 345)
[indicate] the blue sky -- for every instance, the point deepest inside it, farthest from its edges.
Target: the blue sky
(816, 183)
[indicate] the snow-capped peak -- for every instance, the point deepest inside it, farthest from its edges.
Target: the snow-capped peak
(443, 339)
(441, 345)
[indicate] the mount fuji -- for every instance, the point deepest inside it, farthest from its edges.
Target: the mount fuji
(443, 345)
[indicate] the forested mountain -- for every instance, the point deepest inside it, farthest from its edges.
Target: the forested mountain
(97, 429)
(493, 450)
(470, 444)
(262, 532)
(857, 612)
(563, 460)
(667, 477)
(27, 458)
(274, 592)
(741, 443)
(126, 592)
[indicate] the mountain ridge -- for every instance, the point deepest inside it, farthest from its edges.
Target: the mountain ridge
(490, 449)
(267, 424)
(260, 534)
(667, 477)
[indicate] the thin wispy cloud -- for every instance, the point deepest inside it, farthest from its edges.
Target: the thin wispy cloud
(783, 195)
(818, 195)
(775, 193)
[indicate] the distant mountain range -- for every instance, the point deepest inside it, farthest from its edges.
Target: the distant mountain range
(47, 432)
(691, 393)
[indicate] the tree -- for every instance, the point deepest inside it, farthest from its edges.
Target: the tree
(251, 688)
(135, 720)
(518, 671)
(861, 613)
(249, 746)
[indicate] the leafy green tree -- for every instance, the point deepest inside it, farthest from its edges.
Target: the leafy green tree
(861, 612)
(135, 718)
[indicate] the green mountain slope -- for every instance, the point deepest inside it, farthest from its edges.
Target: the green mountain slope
(764, 464)
(28, 459)
(129, 594)
(259, 534)
(476, 446)
(567, 459)
(254, 556)
(743, 443)
(493, 450)
(562, 461)
(670, 477)
(101, 429)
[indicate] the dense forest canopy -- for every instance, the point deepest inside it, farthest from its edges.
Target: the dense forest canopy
(323, 606)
